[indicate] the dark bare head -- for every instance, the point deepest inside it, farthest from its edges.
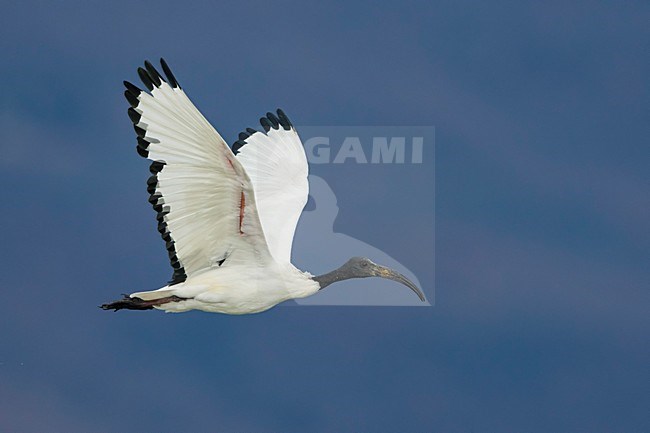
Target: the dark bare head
(361, 267)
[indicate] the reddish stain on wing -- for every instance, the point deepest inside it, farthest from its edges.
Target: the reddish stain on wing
(242, 205)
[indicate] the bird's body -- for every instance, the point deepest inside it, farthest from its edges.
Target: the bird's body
(236, 289)
(227, 216)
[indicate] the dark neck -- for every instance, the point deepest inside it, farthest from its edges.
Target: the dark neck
(332, 277)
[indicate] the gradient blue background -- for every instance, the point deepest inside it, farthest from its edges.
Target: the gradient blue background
(541, 319)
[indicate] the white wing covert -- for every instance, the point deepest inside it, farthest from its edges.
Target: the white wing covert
(276, 163)
(204, 199)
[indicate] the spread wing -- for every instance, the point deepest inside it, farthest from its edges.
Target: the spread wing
(276, 163)
(204, 200)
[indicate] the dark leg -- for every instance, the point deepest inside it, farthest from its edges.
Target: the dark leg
(138, 304)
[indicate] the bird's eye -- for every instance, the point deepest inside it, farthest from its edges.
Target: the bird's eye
(364, 264)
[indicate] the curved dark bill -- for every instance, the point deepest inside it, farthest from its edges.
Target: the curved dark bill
(390, 274)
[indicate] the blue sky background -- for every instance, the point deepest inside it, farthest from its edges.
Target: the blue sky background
(541, 318)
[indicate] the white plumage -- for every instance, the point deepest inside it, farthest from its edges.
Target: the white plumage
(227, 217)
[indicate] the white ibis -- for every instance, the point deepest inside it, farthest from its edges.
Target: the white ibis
(227, 216)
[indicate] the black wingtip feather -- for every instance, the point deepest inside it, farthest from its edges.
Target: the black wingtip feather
(133, 99)
(154, 198)
(156, 167)
(274, 120)
(265, 124)
(152, 183)
(284, 120)
(141, 152)
(134, 115)
(132, 88)
(243, 136)
(168, 73)
(143, 143)
(178, 277)
(142, 148)
(146, 79)
(153, 73)
(141, 132)
(157, 202)
(237, 145)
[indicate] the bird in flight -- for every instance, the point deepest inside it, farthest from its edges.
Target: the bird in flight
(227, 216)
